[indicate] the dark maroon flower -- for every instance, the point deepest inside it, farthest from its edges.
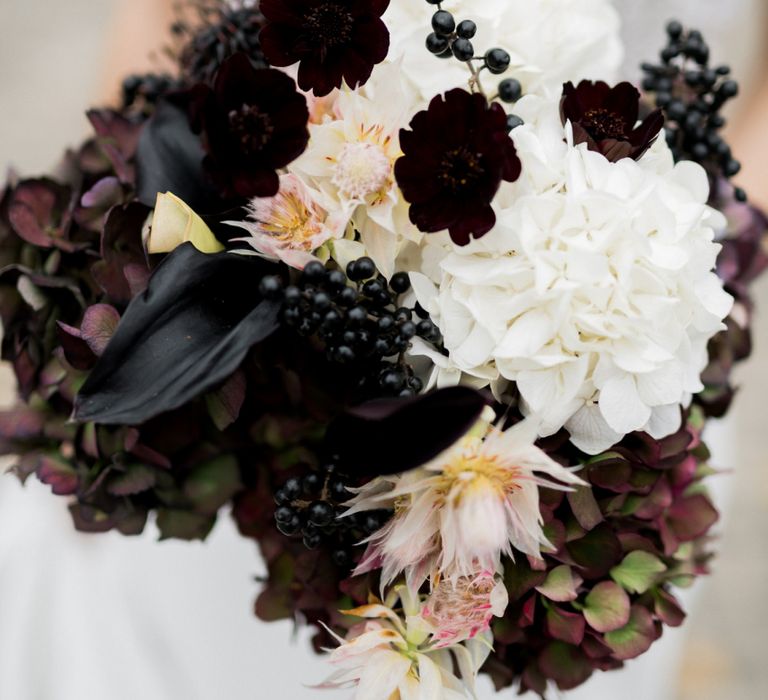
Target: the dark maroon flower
(604, 118)
(455, 156)
(330, 39)
(254, 121)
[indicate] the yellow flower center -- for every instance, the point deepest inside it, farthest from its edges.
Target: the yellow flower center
(292, 222)
(472, 468)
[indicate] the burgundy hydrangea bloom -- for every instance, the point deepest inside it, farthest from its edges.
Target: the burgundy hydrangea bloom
(456, 154)
(254, 121)
(330, 39)
(604, 118)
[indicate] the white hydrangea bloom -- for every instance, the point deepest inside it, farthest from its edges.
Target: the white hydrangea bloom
(594, 293)
(550, 41)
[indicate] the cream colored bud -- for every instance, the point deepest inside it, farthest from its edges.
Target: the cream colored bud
(174, 223)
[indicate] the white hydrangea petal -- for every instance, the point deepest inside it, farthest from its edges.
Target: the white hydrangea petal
(549, 41)
(527, 334)
(715, 300)
(664, 421)
(662, 386)
(590, 431)
(475, 349)
(621, 405)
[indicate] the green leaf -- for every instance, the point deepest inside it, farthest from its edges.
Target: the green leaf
(635, 637)
(566, 626)
(596, 552)
(638, 572)
(275, 603)
(224, 403)
(57, 473)
(137, 478)
(561, 585)
(607, 607)
(213, 483)
(565, 664)
(667, 608)
(519, 578)
(183, 525)
(585, 508)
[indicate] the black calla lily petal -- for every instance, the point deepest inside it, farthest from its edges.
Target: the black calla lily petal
(170, 159)
(187, 333)
(389, 436)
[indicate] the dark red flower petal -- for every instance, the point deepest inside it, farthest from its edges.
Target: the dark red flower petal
(331, 40)
(604, 118)
(455, 156)
(254, 122)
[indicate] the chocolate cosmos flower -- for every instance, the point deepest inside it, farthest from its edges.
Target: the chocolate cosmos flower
(330, 39)
(604, 118)
(455, 156)
(254, 122)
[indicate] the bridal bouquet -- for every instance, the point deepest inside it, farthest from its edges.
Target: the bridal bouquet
(432, 302)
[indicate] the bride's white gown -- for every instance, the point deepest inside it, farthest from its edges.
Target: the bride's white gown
(111, 618)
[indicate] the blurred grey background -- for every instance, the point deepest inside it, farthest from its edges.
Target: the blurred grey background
(54, 61)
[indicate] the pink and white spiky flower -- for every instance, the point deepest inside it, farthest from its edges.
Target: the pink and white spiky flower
(463, 609)
(292, 225)
(462, 511)
(396, 657)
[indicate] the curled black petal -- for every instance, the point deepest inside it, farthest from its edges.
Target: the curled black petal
(388, 436)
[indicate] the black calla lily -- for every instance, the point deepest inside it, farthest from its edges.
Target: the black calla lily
(184, 335)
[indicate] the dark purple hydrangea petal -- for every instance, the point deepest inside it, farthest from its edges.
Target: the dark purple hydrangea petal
(118, 137)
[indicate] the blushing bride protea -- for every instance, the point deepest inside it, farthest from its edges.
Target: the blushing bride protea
(396, 657)
(458, 514)
(291, 226)
(462, 609)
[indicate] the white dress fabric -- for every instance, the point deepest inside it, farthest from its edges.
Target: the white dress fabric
(104, 617)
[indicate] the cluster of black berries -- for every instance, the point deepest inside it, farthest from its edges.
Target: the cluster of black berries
(220, 31)
(450, 39)
(142, 92)
(357, 318)
(692, 95)
(311, 507)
